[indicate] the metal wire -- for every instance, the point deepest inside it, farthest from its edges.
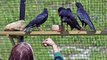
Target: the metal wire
(72, 47)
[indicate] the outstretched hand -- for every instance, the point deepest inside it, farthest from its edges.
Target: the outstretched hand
(48, 42)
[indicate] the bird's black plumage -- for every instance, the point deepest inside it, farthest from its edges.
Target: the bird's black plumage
(72, 21)
(40, 19)
(67, 16)
(84, 17)
(63, 15)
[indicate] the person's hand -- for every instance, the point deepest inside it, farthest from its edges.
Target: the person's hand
(48, 42)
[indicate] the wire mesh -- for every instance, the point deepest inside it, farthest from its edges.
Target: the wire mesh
(72, 47)
(9, 11)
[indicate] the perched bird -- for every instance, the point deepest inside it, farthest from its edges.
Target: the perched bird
(15, 26)
(68, 17)
(62, 12)
(72, 21)
(84, 17)
(40, 19)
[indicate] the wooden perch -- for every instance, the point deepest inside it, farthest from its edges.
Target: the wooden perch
(48, 33)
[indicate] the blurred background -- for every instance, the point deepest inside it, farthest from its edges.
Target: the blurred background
(72, 47)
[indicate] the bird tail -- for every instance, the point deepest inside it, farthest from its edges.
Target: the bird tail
(91, 25)
(28, 30)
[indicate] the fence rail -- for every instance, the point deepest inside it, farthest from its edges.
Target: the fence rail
(42, 33)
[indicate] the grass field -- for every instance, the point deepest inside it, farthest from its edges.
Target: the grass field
(72, 47)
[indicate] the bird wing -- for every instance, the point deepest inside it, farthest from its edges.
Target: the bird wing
(73, 21)
(63, 13)
(83, 16)
(80, 14)
(38, 20)
(41, 18)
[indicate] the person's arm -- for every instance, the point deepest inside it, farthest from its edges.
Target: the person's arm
(57, 54)
(55, 48)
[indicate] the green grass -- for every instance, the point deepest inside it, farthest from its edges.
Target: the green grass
(9, 12)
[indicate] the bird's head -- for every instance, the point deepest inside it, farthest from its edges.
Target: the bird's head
(79, 5)
(60, 8)
(68, 9)
(45, 10)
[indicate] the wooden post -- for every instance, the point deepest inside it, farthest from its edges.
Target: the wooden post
(52, 33)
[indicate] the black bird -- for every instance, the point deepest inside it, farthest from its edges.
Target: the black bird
(84, 17)
(63, 15)
(40, 19)
(72, 21)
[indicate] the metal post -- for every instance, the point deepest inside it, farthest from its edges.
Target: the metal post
(22, 9)
(22, 16)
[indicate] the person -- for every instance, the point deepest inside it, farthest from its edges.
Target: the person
(22, 51)
(49, 42)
